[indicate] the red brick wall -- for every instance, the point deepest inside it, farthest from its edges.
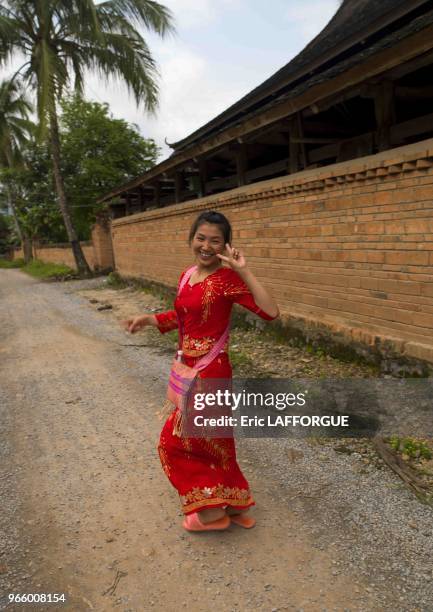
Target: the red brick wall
(349, 246)
(98, 252)
(18, 253)
(62, 254)
(102, 245)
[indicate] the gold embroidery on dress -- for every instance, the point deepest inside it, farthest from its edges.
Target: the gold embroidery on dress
(194, 347)
(164, 459)
(232, 289)
(207, 299)
(232, 496)
(186, 443)
(212, 287)
(217, 450)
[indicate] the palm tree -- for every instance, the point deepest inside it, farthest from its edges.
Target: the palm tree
(15, 129)
(60, 40)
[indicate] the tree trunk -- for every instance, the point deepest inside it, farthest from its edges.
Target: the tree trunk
(27, 249)
(80, 260)
(26, 242)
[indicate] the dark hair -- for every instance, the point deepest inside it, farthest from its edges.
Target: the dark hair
(216, 218)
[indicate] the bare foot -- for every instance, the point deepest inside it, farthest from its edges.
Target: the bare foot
(234, 512)
(211, 514)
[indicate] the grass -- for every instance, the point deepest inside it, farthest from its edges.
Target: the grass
(114, 281)
(39, 269)
(48, 271)
(15, 263)
(411, 447)
(239, 358)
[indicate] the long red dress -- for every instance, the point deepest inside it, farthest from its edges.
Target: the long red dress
(204, 470)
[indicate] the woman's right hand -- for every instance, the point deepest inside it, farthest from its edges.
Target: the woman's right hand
(135, 323)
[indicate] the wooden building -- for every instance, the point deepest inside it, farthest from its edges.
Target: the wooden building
(326, 172)
(363, 85)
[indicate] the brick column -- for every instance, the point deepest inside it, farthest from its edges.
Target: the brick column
(102, 244)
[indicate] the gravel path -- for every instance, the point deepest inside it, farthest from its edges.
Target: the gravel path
(86, 506)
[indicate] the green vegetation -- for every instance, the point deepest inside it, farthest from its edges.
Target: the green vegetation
(16, 129)
(238, 358)
(58, 43)
(98, 153)
(322, 345)
(165, 295)
(411, 447)
(16, 263)
(5, 232)
(49, 271)
(115, 281)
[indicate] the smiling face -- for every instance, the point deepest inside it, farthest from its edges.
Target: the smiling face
(206, 243)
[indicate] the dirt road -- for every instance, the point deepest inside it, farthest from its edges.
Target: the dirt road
(87, 510)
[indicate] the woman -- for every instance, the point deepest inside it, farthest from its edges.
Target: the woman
(212, 488)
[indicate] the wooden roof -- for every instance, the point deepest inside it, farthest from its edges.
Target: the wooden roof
(344, 37)
(342, 55)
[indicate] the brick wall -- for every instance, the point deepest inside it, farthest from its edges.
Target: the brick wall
(62, 254)
(18, 253)
(98, 252)
(102, 245)
(347, 248)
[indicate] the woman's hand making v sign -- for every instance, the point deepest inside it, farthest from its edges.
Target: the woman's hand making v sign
(235, 258)
(237, 262)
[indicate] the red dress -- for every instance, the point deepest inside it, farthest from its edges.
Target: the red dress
(204, 470)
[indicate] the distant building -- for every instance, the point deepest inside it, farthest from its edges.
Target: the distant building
(363, 85)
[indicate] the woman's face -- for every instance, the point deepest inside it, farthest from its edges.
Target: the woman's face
(207, 242)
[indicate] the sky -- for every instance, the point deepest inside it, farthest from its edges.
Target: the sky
(222, 49)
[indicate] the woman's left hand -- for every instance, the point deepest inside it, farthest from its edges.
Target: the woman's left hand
(235, 258)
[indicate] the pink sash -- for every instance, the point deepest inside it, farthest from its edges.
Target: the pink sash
(182, 377)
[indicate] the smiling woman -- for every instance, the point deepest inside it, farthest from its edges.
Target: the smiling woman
(205, 472)
(208, 236)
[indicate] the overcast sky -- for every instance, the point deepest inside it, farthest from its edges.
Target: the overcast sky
(221, 51)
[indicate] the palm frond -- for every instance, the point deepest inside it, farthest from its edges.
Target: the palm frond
(63, 38)
(15, 127)
(22, 125)
(128, 60)
(152, 15)
(76, 16)
(9, 38)
(112, 22)
(20, 105)
(51, 79)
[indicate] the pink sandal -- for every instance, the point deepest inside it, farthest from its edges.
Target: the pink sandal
(247, 522)
(192, 522)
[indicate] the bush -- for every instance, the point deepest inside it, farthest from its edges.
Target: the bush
(411, 447)
(115, 281)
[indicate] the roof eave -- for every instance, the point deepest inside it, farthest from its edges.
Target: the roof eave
(274, 83)
(386, 59)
